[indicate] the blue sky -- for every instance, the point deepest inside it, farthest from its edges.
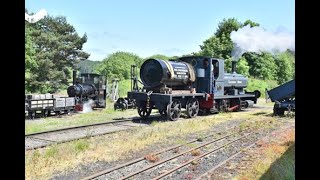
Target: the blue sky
(169, 27)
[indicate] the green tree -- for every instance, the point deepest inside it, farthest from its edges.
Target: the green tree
(242, 66)
(251, 23)
(285, 70)
(220, 45)
(262, 65)
(227, 26)
(58, 49)
(118, 65)
(159, 56)
(31, 65)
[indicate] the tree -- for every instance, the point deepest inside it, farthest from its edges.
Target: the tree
(217, 47)
(227, 26)
(88, 66)
(251, 23)
(261, 65)
(220, 45)
(159, 56)
(285, 71)
(31, 65)
(118, 65)
(58, 49)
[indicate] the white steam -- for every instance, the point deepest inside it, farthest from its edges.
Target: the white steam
(87, 107)
(256, 39)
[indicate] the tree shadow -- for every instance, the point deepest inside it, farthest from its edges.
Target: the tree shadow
(283, 167)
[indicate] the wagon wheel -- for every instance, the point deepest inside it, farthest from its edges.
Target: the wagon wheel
(143, 111)
(192, 108)
(45, 113)
(174, 110)
(278, 111)
(163, 112)
(31, 115)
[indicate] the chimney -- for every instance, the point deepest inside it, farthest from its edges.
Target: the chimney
(233, 70)
(74, 77)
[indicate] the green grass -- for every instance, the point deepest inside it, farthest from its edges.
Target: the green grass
(276, 159)
(96, 116)
(283, 168)
(124, 87)
(261, 85)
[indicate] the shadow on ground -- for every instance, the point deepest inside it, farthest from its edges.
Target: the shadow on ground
(282, 168)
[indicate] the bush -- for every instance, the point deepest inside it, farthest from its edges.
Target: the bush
(260, 85)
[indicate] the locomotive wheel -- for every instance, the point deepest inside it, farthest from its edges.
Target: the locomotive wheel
(163, 112)
(144, 112)
(124, 106)
(174, 110)
(192, 108)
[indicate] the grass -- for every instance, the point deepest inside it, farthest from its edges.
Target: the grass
(50, 123)
(41, 164)
(276, 159)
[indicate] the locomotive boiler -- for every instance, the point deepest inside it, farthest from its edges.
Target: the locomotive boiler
(156, 73)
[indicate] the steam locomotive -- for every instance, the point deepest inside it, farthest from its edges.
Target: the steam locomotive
(196, 83)
(88, 87)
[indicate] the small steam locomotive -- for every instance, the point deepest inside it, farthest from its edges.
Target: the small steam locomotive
(196, 83)
(87, 88)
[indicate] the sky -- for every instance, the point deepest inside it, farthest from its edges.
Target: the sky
(168, 27)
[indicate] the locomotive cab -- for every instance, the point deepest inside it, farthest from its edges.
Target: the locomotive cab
(88, 86)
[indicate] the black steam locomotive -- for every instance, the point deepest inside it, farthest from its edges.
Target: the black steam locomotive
(87, 88)
(196, 83)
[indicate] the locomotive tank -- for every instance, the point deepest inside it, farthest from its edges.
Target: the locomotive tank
(235, 80)
(155, 72)
(81, 90)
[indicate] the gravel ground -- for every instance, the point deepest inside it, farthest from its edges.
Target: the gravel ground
(88, 169)
(49, 138)
(188, 172)
(231, 168)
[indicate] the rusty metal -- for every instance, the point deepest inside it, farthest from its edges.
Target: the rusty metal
(190, 161)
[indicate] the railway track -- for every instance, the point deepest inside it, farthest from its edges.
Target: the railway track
(165, 163)
(46, 138)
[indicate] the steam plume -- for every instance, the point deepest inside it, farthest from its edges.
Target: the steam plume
(87, 107)
(256, 39)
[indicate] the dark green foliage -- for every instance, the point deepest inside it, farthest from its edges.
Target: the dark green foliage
(31, 64)
(58, 49)
(285, 67)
